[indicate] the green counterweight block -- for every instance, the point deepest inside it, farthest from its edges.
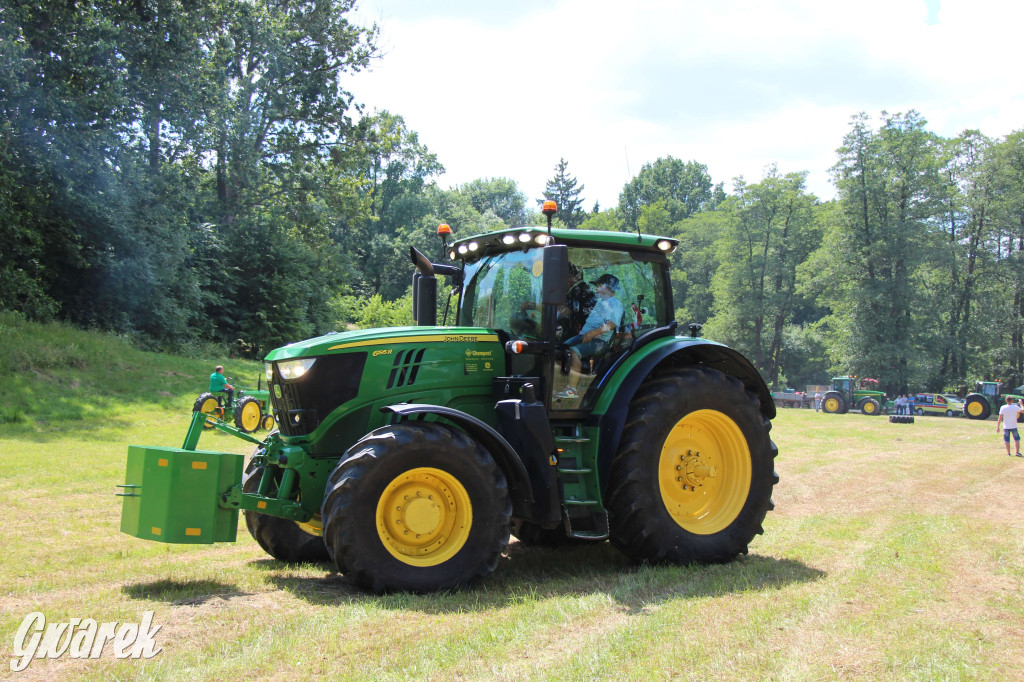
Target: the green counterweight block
(172, 495)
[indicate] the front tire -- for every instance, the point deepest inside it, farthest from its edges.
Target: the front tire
(282, 539)
(248, 414)
(694, 479)
(416, 507)
(870, 406)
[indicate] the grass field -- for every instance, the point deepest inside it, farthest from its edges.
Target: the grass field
(894, 552)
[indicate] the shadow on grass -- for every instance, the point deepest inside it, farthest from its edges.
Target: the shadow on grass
(183, 592)
(536, 573)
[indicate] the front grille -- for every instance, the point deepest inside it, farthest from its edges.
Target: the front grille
(301, 404)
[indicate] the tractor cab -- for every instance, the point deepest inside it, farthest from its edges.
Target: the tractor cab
(989, 389)
(548, 309)
(844, 386)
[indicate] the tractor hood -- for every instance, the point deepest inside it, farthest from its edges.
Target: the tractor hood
(339, 342)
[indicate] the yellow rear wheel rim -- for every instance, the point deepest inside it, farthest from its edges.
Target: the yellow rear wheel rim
(251, 416)
(831, 405)
(975, 409)
(704, 472)
(424, 517)
(209, 407)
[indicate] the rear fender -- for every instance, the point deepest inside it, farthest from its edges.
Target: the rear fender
(612, 408)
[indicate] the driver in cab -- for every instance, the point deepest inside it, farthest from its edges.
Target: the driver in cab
(596, 332)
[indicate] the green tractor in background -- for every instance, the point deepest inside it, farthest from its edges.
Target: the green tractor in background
(845, 395)
(987, 399)
(407, 456)
(251, 409)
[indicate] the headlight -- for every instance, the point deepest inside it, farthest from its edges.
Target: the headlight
(269, 368)
(293, 369)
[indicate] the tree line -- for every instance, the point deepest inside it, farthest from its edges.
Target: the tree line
(193, 171)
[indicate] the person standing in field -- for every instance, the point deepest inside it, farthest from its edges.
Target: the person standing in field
(1007, 422)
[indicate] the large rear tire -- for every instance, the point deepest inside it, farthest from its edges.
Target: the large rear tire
(833, 403)
(693, 480)
(416, 507)
(977, 407)
(248, 414)
(282, 539)
(208, 404)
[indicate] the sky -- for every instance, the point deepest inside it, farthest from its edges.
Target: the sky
(506, 89)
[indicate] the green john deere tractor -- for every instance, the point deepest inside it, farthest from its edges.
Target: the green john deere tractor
(845, 395)
(251, 409)
(407, 456)
(987, 399)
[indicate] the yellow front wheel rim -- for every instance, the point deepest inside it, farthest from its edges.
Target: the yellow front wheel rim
(975, 409)
(869, 408)
(251, 416)
(424, 517)
(704, 472)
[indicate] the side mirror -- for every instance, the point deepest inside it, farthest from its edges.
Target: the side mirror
(555, 285)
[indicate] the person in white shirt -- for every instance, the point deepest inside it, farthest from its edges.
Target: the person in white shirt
(1007, 423)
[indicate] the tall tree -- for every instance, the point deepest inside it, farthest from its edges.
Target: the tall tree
(563, 190)
(771, 233)
(868, 268)
(1007, 296)
(967, 223)
(500, 195)
(685, 187)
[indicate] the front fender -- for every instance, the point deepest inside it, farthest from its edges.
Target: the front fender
(503, 453)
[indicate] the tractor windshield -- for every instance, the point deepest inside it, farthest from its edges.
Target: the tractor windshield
(503, 292)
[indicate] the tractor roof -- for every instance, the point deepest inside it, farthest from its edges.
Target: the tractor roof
(520, 238)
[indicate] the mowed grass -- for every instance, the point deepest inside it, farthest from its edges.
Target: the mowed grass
(894, 552)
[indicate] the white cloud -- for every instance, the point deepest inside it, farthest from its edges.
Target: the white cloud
(506, 91)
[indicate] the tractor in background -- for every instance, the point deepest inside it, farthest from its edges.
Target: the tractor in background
(849, 393)
(251, 409)
(987, 399)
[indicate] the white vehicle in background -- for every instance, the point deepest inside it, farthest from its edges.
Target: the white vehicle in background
(937, 403)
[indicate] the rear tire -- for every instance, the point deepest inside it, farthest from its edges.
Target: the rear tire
(209, 404)
(282, 539)
(248, 414)
(709, 509)
(833, 403)
(416, 507)
(977, 407)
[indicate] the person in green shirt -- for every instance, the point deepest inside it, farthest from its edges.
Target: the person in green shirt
(219, 383)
